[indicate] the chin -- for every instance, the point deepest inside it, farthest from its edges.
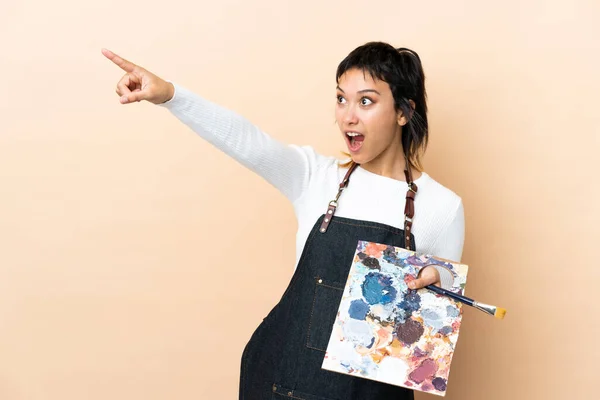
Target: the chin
(360, 158)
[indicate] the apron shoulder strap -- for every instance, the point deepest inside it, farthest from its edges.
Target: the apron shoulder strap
(333, 204)
(409, 207)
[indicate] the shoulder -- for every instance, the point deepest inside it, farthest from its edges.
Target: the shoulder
(316, 162)
(437, 197)
(443, 215)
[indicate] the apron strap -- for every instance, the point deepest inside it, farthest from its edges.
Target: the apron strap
(409, 208)
(334, 203)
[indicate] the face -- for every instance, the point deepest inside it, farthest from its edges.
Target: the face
(367, 118)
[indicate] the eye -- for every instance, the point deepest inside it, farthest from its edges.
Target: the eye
(340, 99)
(365, 101)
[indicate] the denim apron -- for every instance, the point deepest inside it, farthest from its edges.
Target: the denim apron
(283, 358)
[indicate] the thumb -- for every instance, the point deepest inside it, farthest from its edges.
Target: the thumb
(422, 281)
(133, 97)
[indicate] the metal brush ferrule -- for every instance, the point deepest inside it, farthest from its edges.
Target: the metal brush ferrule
(486, 308)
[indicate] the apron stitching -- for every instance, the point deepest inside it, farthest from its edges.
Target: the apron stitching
(314, 348)
(370, 226)
(310, 318)
(312, 311)
(291, 396)
(333, 287)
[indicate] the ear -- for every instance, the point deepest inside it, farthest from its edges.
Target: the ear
(403, 119)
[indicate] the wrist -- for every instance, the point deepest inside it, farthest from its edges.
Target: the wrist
(170, 92)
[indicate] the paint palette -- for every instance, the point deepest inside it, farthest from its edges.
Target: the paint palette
(385, 331)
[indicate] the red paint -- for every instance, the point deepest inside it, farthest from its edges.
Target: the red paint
(426, 370)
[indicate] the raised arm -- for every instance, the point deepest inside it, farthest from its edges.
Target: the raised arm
(287, 167)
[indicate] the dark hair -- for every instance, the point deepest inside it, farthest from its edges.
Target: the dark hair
(402, 70)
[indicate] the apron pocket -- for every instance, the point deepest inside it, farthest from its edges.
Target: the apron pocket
(325, 306)
(280, 392)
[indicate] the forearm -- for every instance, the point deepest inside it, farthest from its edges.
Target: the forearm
(284, 166)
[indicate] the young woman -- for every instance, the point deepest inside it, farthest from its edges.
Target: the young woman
(375, 195)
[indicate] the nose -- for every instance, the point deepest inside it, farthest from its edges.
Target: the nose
(350, 116)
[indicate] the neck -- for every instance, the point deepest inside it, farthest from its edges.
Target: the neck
(391, 163)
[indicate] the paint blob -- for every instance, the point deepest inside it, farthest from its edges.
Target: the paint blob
(427, 369)
(439, 384)
(358, 309)
(371, 262)
(410, 331)
(377, 288)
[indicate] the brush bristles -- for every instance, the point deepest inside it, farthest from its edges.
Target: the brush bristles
(500, 313)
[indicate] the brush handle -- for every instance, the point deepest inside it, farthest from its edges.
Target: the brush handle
(450, 294)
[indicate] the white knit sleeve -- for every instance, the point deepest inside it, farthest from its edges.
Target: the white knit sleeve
(286, 167)
(449, 244)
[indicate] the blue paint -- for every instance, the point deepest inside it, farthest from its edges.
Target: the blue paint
(446, 330)
(390, 256)
(358, 309)
(452, 311)
(432, 319)
(401, 316)
(377, 289)
(372, 342)
(411, 302)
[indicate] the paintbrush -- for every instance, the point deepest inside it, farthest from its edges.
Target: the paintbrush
(497, 312)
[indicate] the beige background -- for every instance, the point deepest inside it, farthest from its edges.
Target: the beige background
(136, 260)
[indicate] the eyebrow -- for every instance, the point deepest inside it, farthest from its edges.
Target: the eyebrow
(361, 91)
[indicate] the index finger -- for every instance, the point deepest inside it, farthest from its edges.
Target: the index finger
(125, 65)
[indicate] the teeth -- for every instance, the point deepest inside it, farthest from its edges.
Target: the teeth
(353, 134)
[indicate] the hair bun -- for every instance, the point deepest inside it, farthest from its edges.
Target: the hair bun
(404, 50)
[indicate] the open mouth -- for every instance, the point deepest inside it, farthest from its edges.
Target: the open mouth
(354, 141)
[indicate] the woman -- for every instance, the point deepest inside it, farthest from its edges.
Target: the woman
(381, 113)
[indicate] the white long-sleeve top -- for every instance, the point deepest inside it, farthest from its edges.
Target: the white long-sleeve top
(310, 180)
